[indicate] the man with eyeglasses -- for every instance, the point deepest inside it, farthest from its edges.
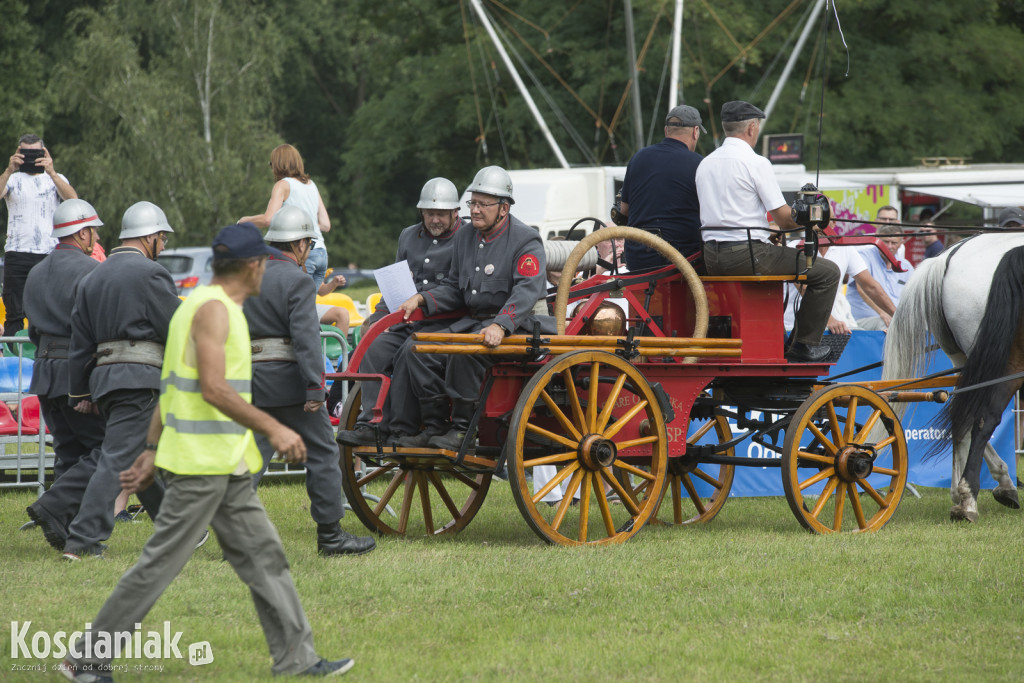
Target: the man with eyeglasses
(118, 331)
(427, 248)
(659, 194)
(497, 274)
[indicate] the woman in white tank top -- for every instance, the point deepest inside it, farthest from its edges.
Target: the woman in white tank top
(294, 187)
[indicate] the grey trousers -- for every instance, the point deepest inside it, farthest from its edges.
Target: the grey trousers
(74, 434)
(323, 473)
(249, 542)
(81, 440)
(127, 413)
(381, 358)
(417, 377)
(734, 258)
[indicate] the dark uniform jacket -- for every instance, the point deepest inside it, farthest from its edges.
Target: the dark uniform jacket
(429, 257)
(50, 292)
(286, 307)
(128, 296)
(498, 278)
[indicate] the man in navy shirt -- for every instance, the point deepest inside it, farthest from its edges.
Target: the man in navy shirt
(659, 193)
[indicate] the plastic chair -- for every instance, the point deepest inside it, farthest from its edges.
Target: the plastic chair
(332, 346)
(28, 349)
(9, 424)
(29, 412)
(346, 302)
(372, 301)
(9, 374)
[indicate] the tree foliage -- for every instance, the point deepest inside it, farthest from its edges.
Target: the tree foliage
(180, 101)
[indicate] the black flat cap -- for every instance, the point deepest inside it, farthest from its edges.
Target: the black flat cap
(740, 111)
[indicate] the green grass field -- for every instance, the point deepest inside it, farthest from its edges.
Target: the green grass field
(749, 596)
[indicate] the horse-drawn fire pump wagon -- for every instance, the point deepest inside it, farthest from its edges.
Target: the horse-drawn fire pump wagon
(621, 420)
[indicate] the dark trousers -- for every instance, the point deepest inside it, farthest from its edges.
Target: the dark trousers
(16, 267)
(126, 413)
(418, 377)
(323, 473)
(251, 545)
(74, 434)
(734, 258)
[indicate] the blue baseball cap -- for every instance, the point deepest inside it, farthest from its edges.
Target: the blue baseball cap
(241, 241)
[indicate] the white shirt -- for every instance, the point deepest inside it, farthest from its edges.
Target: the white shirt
(31, 202)
(306, 197)
(736, 188)
(850, 264)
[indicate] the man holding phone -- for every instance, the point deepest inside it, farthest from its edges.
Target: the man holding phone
(32, 190)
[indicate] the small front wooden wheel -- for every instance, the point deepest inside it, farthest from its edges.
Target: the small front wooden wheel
(401, 496)
(844, 461)
(695, 492)
(580, 421)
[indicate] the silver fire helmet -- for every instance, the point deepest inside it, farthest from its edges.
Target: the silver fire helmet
(290, 224)
(143, 218)
(438, 193)
(493, 180)
(73, 215)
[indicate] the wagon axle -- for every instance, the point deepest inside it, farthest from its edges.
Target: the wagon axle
(596, 452)
(854, 463)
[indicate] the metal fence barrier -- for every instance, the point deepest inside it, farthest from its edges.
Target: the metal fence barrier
(27, 451)
(26, 447)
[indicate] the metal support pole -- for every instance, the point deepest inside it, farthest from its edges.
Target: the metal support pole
(638, 117)
(793, 56)
(675, 87)
(519, 83)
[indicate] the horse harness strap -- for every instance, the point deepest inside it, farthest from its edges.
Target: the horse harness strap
(268, 349)
(130, 351)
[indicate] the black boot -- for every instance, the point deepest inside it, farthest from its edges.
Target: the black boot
(360, 435)
(331, 539)
(462, 413)
(434, 411)
(805, 353)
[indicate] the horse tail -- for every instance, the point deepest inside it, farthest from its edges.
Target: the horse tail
(906, 353)
(994, 342)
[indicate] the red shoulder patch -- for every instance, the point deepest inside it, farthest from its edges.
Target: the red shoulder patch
(528, 265)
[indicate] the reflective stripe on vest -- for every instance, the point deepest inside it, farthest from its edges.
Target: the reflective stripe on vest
(197, 438)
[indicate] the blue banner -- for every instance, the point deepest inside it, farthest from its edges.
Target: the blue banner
(865, 348)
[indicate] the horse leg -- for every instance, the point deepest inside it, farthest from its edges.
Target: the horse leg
(1006, 492)
(970, 480)
(960, 450)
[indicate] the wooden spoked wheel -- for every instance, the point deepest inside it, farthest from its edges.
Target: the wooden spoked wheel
(579, 421)
(695, 492)
(408, 495)
(844, 461)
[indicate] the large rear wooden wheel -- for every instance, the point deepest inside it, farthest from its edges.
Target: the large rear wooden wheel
(844, 461)
(590, 415)
(402, 495)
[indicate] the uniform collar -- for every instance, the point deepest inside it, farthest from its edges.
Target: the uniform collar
(497, 232)
(127, 250)
(66, 247)
(288, 258)
(427, 235)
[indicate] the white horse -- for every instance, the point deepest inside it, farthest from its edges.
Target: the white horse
(970, 299)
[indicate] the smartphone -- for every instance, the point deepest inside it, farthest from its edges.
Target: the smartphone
(31, 157)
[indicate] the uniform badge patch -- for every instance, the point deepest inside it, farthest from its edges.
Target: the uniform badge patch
(489, 268)
(528, 265)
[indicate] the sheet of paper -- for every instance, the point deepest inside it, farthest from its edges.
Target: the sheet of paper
(396, 285)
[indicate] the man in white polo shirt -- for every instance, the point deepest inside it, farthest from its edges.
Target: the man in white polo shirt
(737, 188)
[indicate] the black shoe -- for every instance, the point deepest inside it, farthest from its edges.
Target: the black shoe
(327, 668)
(451, 441)
(54, 532)
(413, 441)
(802, 353)
(362, 435)
(331, 540)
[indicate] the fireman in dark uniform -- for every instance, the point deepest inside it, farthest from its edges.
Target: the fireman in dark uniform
(427, 247)
(497, 274)
(288, 374)
(49, 299)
